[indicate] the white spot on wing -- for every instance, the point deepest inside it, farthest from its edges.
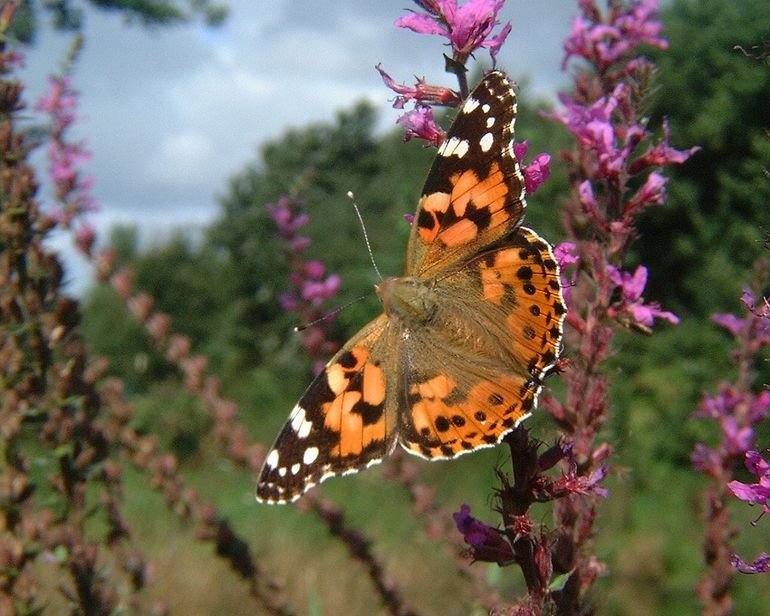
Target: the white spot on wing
(272, 459)
(310, 455)
(470, 105)
(297, 418)
(295, 468)
(282, 471)
(462, 148)
(300, 424)
(485, 108)
(454, 147)
(487, 141)
(490, 122)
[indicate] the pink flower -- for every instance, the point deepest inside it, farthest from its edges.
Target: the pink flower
(599, 130)
(652, 192)
(615, 37)
(731, 323)
(565, 254)
(662, 153)
(468, 27)
(420, 123)
(631, 304)
(537, 171)
(566, 257)
(71, 187)
(315, 269)
(85, 236)
(754, 493)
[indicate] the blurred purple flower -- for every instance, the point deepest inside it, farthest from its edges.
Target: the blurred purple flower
(736, 413)
(730, 322)
(706, 460)
(566, 257)
(310, 285)
(85, 238)
(468, 27)
(72, 188)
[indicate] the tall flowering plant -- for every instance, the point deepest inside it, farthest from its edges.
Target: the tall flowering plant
(737, 410)
(616, 174)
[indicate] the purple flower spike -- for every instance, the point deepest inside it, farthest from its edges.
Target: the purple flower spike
(605, 42)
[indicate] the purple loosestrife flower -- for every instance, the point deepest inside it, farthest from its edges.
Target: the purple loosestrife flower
(537, 171)
(72, 189)
(419, 123)
(760, 565)
(566, 258)
(487, 543)
(603, 128)
(754, 327)
(421, 93)
(754, 493)
(631, 308)
(310, 286)
(605, 42)
(468, 27)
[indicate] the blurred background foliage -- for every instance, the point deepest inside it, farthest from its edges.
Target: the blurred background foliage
(222, 288)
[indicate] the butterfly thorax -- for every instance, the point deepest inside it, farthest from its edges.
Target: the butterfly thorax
(408, 300)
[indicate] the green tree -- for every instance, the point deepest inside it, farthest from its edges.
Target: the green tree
(67, 15)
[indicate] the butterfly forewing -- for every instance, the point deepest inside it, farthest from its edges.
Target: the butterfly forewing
(474, 193)
(341, 424)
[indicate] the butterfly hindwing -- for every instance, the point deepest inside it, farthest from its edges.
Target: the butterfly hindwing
(476, 370)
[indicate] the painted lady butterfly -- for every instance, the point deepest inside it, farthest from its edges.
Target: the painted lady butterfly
(457, 359)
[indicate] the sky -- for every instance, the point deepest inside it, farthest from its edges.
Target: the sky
(169, 114)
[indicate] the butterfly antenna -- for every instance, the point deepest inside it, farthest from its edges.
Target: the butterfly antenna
(366, 235)
(331, 313)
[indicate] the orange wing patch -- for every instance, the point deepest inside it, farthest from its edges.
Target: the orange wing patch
(523, 280)
(356, 412)
(473, 205)
(445, 421)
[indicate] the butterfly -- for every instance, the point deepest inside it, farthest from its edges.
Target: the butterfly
(458, 357)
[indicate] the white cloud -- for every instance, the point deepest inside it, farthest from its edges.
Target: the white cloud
(181, 156)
